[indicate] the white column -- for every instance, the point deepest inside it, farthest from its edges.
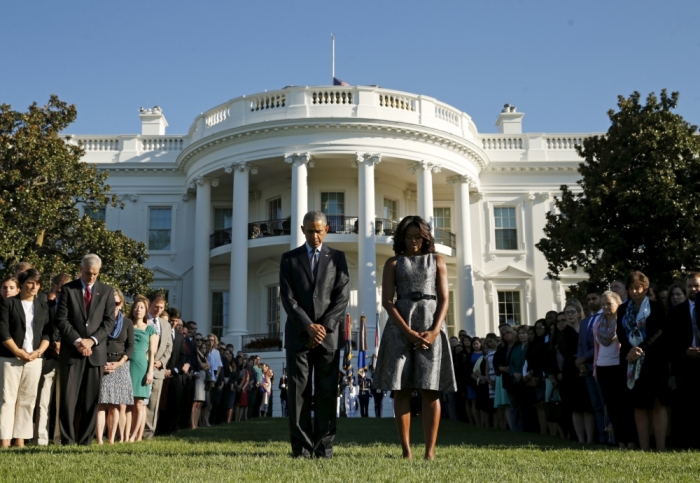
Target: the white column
(300, 194)
(238, 282)
(424, 184)
(200, 269)
(465, 281)
(366, 248)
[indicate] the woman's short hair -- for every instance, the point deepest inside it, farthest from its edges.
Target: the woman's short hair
(506, 329)
(137, 299)
(29, 274)
(636, 277)
(577, 305)
(522, 328)
(611, 295)
(428, 245)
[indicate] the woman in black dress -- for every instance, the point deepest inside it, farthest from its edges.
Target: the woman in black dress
(643, 349)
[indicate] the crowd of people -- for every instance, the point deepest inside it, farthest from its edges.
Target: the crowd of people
(619, 370)
(155, 373)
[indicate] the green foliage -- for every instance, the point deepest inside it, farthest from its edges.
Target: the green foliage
(42, 183)
(638, 207)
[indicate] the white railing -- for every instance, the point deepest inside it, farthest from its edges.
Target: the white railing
(563, 142)
(490, 143)
(162, 144)
(100, 144)
(394, 101)
(272, 101)
(446, 114)
(331, 97)
(216, 117)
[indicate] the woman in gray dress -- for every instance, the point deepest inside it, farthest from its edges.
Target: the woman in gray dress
(414, 352)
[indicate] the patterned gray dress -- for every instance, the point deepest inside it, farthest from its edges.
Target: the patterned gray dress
(399, 365)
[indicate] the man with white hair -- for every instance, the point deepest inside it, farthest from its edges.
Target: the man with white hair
(85, 317)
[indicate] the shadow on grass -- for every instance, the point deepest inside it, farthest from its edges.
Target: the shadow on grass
(246, 439)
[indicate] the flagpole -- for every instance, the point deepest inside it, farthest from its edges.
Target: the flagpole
(333, 61)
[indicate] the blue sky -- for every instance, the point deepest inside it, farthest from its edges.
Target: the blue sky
(563, 63)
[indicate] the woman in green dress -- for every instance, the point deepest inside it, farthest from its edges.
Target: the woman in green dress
(142, 360)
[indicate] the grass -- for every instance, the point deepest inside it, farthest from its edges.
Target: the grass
(366, 450)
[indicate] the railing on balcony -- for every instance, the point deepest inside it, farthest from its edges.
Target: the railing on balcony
(342, 224)
(445, 237)
(262, 229)
(385, 227)
(220, 238)
(262, 342)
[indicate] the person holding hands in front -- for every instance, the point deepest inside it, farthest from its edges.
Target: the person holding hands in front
(25, 332)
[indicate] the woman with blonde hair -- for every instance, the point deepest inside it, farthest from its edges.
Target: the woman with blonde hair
(141, 366)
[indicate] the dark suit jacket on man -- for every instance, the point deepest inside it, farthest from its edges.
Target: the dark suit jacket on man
(13, 323)
(74, 323)
(306, 301)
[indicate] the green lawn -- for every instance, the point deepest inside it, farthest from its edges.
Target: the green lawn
(366, 450)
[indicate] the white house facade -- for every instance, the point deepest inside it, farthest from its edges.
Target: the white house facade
(219, 205)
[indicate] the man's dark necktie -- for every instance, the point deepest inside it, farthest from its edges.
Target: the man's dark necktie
(88, 298)
(314, 263)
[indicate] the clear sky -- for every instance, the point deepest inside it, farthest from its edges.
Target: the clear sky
(563, 63)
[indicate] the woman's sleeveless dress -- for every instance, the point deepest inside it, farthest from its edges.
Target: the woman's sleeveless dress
(399, 365)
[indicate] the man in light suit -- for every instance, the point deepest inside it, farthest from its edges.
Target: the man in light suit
(85, 318)
(314, 288)
(165, 348)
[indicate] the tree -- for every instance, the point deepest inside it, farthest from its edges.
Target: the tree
(639, 201)
(42, 184)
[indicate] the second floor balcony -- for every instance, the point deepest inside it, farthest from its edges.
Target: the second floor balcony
(339, 224)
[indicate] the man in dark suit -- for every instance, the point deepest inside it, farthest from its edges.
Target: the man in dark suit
(314, 288)
(175, 374)
(683, 322)
(85, 319)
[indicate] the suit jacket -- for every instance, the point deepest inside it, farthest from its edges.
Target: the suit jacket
(178, 357)
(680, 325)
(13, 323)
(586, 347)
(75, 323)
(308, 301)
(165, 348)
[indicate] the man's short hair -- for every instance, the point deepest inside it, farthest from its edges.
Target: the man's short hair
(174, 312)
(91, 260)
(21, 267)
(314, 216)
(60, 279)
(156, 297)
(692, 275)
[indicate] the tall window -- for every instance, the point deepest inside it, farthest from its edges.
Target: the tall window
(333, 206)
(506, 229)
(273, 309)
(450, 319)
(159, 228)
(509, 308)
(274, 209)
(222, 218)
(390, 210)
(219, 313)
(443, 218)
(97, 214)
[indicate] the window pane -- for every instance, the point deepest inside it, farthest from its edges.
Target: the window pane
(274, 209)
(505, 228)
(273, 310)
(159, 228)
(389, 209)
(97, 214)
(509, 308)
(443, 218)
(222, 218)
(333, 203)
(219, 313)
